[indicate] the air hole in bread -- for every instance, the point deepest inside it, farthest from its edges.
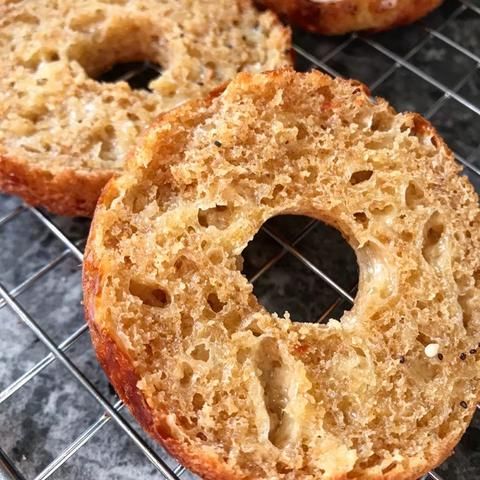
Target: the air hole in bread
(218, 216)
(198, 401)
(413, 277)
(444, 429)
(184, 265)
(186, 325)
(406, 236)
(376, 276)
(424, 339)
(215, 303)
(275, 383)
(200, 352)
(382, 121)
(361, 218)
(110, 240)
(271, 199)
(243, 354)
(360, 176)
(421, 305)
(187, 374)
(231, 321)
(215, 255)
(302, 131)
(27, 18)
(282, 468)
(381, 210)
(149, 295)
(139, 203)
(467, 309)
(186, 422)
(414, 195)
(433, 249)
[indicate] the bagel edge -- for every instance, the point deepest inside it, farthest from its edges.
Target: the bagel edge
(70, 192)
(119, 367)
(344, 16)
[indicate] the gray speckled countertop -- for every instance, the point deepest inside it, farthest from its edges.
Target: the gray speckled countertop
(41, 419)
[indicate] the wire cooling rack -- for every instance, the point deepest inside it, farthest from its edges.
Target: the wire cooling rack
(58, 416)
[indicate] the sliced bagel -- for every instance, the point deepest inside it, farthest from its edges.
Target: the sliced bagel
(336, 17)
(233, 391)
(63, 133)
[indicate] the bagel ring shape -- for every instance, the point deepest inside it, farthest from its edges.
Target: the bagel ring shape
(337, 17)
(64, 132)
(236, 392)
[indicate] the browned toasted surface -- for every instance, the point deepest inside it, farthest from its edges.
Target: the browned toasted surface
(67, 192)
(62, 133)
(235, 391)
(335, 17)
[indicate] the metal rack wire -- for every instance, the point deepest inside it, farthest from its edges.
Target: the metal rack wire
(307, 48)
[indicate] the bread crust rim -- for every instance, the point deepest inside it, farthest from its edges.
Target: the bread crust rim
(120, 372)
(69, 192)
(344, 16)
(119, 367)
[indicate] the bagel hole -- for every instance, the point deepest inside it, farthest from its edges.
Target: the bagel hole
(283, 283)
(138, 75)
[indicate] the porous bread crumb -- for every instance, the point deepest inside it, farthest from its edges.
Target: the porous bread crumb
(56, 118)
(236, 392)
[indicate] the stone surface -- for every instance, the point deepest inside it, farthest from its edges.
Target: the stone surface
(41, 419)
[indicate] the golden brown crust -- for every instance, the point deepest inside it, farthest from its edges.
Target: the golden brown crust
(339, 17)
(119, 369)
(69, 192)
(126, 223)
